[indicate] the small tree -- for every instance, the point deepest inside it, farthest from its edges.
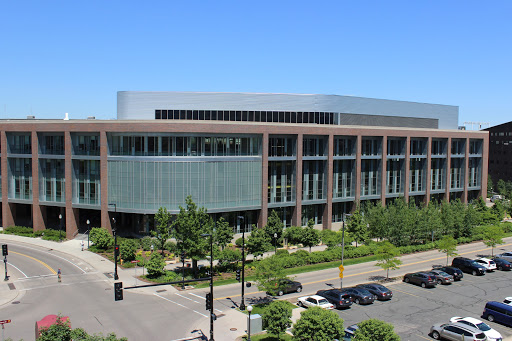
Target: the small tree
(317, 324)
(357, 227)
(155, 266)
(270, 275)
(309, 236)
(493, 236)
(387, 255)
(223, 234)
(447, 245)
(331, 238)
(375, 330)
(127, 249)
(163, 229)
(274, 226)
(292, 234)
(278, 317)
(101, 238)
(258, 242)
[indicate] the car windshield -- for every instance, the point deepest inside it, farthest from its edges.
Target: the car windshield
(475, 263)
(442, 273)
(364, 292)
(483, 327)
(324, 301)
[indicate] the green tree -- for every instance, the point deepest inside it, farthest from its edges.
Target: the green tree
(317, 324)
(309, 236)
(387, 256)
(330, 238)
(190, 224)
(163, 228)
(127, 249)
(274, 226)
(278, 317)
(498, 210)
(377, 220)
(228, 257)
(375, 330)
(61, 331)
(501, 187)
(458, 212)
(493, 236)
(292, 234)
(223, 234)
(471, 219)
(155, 265)
(401, 222)
(270, 276)
(490, 185)
(447, 218)
(101, 238)
(357, 227)
(258, 242)
(447, 245)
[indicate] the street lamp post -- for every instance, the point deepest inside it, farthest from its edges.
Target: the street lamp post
(60, 227)
(343, 243)
(275, 243)
(88, 231)
(249, 309)
(212, 315)
(114, 232)
(242, 303)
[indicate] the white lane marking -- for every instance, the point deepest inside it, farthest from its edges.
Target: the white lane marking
(187, 298)
(204, 299)
(52, 275)
(164, 298)
(61, 284)
(70, 262)
(14, 266)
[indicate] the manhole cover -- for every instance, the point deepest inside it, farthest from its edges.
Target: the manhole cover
(233, 329)
(16, 302)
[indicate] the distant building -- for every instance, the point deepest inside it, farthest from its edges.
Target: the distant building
(500, 152)
(237, 154)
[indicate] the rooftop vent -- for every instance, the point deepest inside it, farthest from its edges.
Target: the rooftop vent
(31, 117)
(91, 117)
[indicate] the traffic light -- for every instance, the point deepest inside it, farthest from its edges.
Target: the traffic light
(116, 251)
(118, 291)
(208, 301)
(182, 256)
(4, 250)
(238, 275)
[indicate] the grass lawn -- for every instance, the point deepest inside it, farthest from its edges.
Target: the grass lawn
(259, 308)
(269, 337)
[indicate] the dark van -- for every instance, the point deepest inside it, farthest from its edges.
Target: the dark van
(498, 312)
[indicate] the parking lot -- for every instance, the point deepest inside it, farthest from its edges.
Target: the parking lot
(413, 310)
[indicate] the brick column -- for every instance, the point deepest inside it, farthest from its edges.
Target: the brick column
(38, 221)
(428, 167)
(384, 167)
(264, 180)
(297, 213)
(358, 172)
(71, 213)
(327, 217)
(484, 166)
(105, 216)
(407, 167)
(448, 168)
(8, 211)
(466, 172)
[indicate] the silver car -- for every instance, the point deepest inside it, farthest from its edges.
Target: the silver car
(456, 332)
(506, 256)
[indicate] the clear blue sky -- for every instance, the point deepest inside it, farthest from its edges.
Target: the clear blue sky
(73, 56)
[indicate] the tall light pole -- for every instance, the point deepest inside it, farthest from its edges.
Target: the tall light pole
(116, 247)
(212, 315)
(343, 244)
(60, 227)
(249, 309)
(88, 231)
(275, 243)
(242, 303)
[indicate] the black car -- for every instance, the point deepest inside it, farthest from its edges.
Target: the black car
(382, 293)
(421, 278)
(469, 266)
(287, 286)
(335, 296)
(502, 264)
(455, 272)
(360, 295)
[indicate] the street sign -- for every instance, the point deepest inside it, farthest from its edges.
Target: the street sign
(341, 274)
(341, 268)
(5, 321)
(134, 261)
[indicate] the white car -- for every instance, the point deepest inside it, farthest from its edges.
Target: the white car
(508, 300)
(492, 334)
(506, 256)
(314, 301)
(487, 263)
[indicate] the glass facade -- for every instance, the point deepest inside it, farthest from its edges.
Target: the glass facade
(396, 146)
(313, 146)
(284, 213)
(418, 146)
(86, 144)
(417, 178)
(475, 172)
(314, 212)
(51, 180)
(344, 179)
(457, 173)
(437, 174)
(52, 144)
(395, 179)
(438, 147)
(339, 209)
(19, 143)
(86, 182)
(370, 177)
(371, 146)
(344, 146)
(20, 182)
(281, 146)
(458, 147)
(313, 180)
(281, 181)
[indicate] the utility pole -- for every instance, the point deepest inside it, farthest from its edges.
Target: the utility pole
(116, 247)
(242, 303)
(210, 296)
(5, 252)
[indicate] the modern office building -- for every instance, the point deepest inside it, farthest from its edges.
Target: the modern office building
(305, 156)
(500, 152)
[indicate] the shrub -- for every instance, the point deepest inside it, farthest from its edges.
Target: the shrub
(171, 246)
(20, 231)
(127, 248)
(101, 238)
(145, 243)
(155, 265)
(238, 242)
(282, 252)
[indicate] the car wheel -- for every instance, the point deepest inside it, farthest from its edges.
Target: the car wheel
(500, 268)
(299, 289)
(300, 304)
(357, 301)
(280, 293)
(407, 280)
(439, 282)
(436, 335)
(490, 318)
(423, 285)
(474, 272)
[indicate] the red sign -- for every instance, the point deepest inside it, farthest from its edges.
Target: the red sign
(134, 261)
(5, 321)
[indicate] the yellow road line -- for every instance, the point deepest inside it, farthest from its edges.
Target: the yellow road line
(423, 337)
(37, 260)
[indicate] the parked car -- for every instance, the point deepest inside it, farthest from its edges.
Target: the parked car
(420, 278)
(508, 300)
(349, 332)
(496, 197)
(492, 334)
(336, 297)
(314, 301)
(382, 293)
(487, 263)
(455, 272)
(469, 266)
(499, 312)
(441, 276)
(505, 255)
(456, 332)
(360, 295)
(287, 287)
(502, 264)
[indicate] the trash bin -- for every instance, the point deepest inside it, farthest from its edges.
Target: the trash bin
(256, 324)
